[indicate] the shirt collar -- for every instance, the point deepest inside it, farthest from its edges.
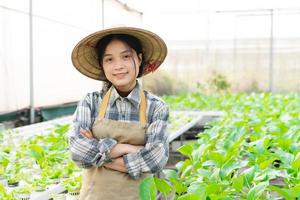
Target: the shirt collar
(133, 96)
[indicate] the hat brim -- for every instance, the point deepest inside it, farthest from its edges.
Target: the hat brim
(85, 60)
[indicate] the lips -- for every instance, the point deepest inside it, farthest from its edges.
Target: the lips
(120, 75)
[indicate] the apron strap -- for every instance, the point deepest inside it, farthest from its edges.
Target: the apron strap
(104, 104)
(143, 107)
(142, 111)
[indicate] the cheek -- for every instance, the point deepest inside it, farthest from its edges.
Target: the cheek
(106, 70)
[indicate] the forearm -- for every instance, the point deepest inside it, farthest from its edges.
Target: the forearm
(122, 149)
(117, 164)
(87, 151)
(149, 160)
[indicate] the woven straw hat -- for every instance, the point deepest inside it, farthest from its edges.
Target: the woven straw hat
(85, 59)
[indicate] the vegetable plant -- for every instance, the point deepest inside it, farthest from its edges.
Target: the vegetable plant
(252, 152)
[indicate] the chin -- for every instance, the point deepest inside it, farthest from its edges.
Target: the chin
(122, 84)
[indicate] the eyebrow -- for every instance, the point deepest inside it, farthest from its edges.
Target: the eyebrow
(125, 51)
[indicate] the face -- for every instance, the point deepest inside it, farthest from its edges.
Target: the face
(121, 65)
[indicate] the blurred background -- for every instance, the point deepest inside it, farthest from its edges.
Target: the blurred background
(236, 46)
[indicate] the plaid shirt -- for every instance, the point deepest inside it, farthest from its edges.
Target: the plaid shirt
(87, 153)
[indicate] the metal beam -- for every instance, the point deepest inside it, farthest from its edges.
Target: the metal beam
(31, 73)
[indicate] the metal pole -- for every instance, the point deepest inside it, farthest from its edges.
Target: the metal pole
(31, 65)
(271, 53)
(102, 14)
(234, 71)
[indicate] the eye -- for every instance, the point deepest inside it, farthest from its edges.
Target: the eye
(127, 56)
(108, 60)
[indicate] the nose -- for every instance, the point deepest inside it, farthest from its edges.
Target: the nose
(118, 65)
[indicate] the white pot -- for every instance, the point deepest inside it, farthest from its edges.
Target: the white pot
(39, 189)
(23, 196)
(3, 181)
(72, 196)
(58, 197)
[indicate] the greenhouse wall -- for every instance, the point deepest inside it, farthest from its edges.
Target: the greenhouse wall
(57, 27)
(235, 43)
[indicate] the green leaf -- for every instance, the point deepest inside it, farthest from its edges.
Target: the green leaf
(255, 192)
(237, 183)
(188, 197)
(296, 164)
(162, 186)
(187, 171)
(186, 150)
(282, 191)
(171, 175)
(147, 189)
(209, 163)
(204, 173)
(180, 187)
(296, 191)
(197, 153)
(182, 165)
(62, 128)
(248, 176)
(197, 188)
(213, 188)
(228, 168)
(215, 175)
(217, 157)
(264, 164)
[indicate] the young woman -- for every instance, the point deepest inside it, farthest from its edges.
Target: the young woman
(119, 133)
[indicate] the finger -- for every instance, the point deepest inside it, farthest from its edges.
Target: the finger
(89, 134)
(85, 134)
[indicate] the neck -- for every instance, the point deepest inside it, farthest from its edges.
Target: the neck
(124, 92)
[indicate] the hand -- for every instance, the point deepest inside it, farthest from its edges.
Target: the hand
(86, 133)
(134, 148)
(122, 149)
(117, 165)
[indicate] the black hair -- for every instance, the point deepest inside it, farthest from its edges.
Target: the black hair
(131, 41)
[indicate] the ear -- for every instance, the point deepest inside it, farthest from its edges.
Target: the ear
(140, 56)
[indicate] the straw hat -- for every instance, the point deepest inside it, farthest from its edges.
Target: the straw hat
(85, 59)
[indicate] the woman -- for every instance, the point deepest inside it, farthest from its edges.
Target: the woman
(119, 133)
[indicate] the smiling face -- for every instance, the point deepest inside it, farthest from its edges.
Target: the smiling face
(121, 65)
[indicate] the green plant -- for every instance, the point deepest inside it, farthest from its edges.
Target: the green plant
(13, 174)
(3, 162)
(6, 195)
(13, 179)
(252, 152)
(39, 184)
(73, 184)
(26, 189)
(39, 154)
(219, 82)
(69, 169)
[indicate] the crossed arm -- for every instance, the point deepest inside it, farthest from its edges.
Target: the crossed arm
(87, 151)
(116, 153)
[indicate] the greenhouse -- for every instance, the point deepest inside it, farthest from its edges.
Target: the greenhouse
(150, 100)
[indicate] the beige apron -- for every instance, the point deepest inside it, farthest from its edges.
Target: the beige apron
(99, 183)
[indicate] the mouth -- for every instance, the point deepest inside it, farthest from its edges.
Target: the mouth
(120, 75)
